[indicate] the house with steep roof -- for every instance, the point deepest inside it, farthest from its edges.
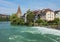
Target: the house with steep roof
(47, 14)
(37, 13)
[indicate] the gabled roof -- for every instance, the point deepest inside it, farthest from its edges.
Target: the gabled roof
(57, 11)
(37, 11)
(46, 10)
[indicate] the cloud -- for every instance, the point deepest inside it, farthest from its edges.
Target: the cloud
(7, 7)
(7, 3)
(7, 10)
(10, 6)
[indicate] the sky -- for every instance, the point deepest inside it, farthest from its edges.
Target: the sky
(10, 6)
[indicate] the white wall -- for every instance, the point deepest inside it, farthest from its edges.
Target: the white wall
(58, 15)
(50, 16)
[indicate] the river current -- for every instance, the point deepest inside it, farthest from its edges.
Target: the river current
(9, 33)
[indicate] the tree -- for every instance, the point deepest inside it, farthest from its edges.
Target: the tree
(13, 16)
(41, 22)
(56, 20)
(30, 16)
(16, 21)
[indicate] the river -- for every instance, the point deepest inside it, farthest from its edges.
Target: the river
(9, 33)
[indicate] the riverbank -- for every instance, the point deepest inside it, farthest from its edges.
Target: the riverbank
(48, 26)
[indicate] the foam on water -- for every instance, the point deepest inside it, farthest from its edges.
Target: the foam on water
(45, 30)
(11, 38)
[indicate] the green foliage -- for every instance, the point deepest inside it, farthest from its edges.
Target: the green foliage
(54, 22)
(4, 19)
(15, 20)
(30, 20)
(29, 24)
(41, 22)
(13, 16)
(30, 16)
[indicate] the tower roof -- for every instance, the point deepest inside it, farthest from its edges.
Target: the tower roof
(19, 10)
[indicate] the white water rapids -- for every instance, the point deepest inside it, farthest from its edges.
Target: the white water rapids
(45, 30)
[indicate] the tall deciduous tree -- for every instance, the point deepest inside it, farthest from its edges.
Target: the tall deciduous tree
(30, 16)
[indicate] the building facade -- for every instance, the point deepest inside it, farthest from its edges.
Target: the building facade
(47, 14)
(44, 14)
(3, 16)
(57, 14)
(37, 14)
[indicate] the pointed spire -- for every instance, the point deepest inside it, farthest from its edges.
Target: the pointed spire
(19, 14)
(19, 10)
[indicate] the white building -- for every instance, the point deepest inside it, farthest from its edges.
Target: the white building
(48, 15)
(57, 14)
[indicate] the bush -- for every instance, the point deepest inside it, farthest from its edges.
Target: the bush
(54, 22)
(41, 22)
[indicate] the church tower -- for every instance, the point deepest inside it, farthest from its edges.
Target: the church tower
(19, 14)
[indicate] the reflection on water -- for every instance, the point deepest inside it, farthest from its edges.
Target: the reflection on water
(10, 33)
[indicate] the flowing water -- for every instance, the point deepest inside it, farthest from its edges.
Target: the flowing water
(9, 33)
